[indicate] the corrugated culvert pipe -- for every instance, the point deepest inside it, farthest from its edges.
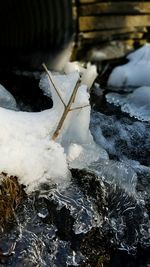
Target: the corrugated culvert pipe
(33, 31)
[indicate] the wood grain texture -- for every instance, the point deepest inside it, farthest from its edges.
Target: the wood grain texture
(115, 8)
(91, 23)
(97, 37)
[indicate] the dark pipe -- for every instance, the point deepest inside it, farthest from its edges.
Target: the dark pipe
(32, 30)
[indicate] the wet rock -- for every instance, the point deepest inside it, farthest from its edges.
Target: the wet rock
(91, 224)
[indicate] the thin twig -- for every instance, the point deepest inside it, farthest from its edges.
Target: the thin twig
(53, 83)
(65, 113)
(72, 109)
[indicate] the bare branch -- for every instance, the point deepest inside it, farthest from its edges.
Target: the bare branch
(53, 83)
(72, 109)
(65, 113)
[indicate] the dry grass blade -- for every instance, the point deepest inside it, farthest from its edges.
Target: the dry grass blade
(11, 193)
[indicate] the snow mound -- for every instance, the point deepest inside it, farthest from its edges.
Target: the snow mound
(26, 149)
(135, 73)
(26, 145)
(137, 104)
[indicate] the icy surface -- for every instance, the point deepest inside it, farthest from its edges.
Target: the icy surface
(117, 173)
(122, 138)
(137, 104)
(135, 73)
(59, 227)
(6, 99)
(79, 205)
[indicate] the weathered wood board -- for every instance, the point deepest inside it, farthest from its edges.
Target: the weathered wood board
(100, 22)
(115, 8)
(88, 1)
(98, 37)
(89, 23)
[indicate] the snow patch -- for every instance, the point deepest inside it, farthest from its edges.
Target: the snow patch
(135, 73)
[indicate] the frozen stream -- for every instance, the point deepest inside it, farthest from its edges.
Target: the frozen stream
(94, 214)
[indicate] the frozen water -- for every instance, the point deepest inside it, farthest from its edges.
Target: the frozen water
(122, 138)
(6, 99)
(80, 156)
(80, 207)
(135, 73)
(116, 99)
(137, 104)
(117, 173)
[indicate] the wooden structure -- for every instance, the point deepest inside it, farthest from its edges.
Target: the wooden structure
(105, 23)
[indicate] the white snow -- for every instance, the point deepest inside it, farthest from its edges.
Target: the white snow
(74, 66)
(135, 73)
(26, 149)
(89, 75)
(25, 138)
(137, 104)
(76, 127)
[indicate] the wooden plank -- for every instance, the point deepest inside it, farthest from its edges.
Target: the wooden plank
(104, 37)
(115, 8)
(98, 34)
(98, 1)
(87, 1)
(109, 34)
(90, 23)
